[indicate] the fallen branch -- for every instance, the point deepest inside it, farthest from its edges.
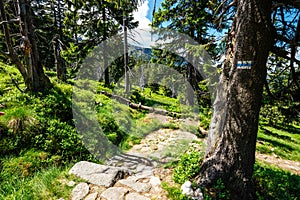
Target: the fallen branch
(140, 106)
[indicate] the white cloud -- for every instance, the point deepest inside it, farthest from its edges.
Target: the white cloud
(142, 37)
(140, 15)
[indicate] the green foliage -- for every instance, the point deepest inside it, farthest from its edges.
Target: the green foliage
(174, 193)
(275, 183)
(217, 191)
(188, 166)
(20, 119)
(27, 164)
(56, 104)
(205, 115)
(282, 142)
(46, 184)
(61, 139)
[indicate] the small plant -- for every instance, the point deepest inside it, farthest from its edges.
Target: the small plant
(20, 119)
(188, 166)
(218, 191)
(171, 125)
(174, 193)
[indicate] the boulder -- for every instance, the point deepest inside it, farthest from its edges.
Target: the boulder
(97, 174)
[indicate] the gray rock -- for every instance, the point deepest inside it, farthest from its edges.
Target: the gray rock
(136, 186)
(80, 191)
(96, 174)
(155, 181)
(92, 196)
(114, 193)
(143, 171)
(136, 196)
(187, 189)
(71, 183)
(198, 195)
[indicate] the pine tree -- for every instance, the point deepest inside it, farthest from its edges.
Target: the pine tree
(17, 18)
(230, 153)
(192, 18)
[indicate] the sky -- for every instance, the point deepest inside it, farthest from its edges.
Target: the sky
(144, 16)
(144, 13)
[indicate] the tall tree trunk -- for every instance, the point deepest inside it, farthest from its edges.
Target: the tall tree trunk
(105, 63)
(189, 86)
(231, 143)
(126, 67)
(37, 80)
(31, 69)
(61, 70)
(11, 54)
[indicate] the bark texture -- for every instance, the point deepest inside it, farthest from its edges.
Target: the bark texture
(30, 67)
(231, 143)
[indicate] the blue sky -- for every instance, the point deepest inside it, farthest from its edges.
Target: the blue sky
(144, 16)
(144, 13)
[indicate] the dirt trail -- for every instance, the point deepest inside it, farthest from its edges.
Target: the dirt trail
(290, 165)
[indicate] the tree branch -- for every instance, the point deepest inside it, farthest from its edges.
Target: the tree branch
(139, 106)
(221, 16)
(293, 53)
(269, 91)
(10, 21)
(283, 54)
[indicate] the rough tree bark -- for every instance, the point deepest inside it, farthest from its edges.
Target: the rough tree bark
(31, 69)
(230, 153)
(60, 65)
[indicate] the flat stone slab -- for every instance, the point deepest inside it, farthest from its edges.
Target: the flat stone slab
(97, 174)
(114, 193)
(136, 186)
(92, 196)
(136, 196)
(80, 191)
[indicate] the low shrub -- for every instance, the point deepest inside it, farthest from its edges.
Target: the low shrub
(174, 192)
(61, 139)
(27, 164)
(188, 166)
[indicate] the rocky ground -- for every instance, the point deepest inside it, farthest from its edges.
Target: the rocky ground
(138, 173)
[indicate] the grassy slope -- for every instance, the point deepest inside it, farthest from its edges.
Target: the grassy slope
(46, 183)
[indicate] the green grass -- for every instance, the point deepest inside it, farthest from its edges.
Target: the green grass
(283, 143)
(39, 174)
(47, 184)
(174, 192)
(275, 183)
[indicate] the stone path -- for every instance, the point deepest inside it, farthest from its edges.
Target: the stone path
(114, 183)
(138, 173)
